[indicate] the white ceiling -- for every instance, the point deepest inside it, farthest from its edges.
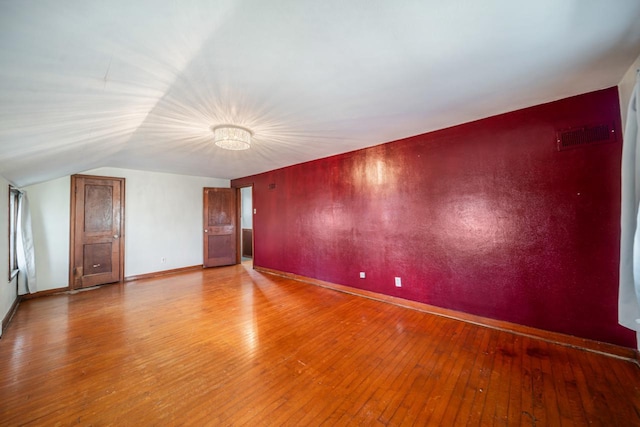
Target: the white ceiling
(137, 84)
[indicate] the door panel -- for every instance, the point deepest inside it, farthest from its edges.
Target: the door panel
(97, 258)
(98, 212)
(97, 226)
(220, 222)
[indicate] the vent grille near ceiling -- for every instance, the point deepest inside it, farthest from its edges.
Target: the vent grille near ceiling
(587, 135)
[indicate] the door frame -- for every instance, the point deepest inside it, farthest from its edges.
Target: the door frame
(239, 219)
(238, 190)
(72, 221)
(238, 226)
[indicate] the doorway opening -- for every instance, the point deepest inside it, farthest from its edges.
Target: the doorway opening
(246, 225)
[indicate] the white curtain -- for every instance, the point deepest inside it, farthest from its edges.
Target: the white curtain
(629, 294)
(24, 247)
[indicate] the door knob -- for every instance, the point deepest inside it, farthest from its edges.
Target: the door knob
(115, 236)
(206, 231)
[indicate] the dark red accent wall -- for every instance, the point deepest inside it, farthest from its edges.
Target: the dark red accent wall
(485, 217)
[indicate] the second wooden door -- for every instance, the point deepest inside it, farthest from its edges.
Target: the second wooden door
(220, 227)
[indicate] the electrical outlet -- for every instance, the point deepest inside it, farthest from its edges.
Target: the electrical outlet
(362, 275)
(398, 282)
(163, 260)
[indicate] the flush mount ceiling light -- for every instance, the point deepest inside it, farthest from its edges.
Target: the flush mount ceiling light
(231, 137)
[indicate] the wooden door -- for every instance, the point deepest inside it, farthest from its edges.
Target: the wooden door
(220, 227)
(97, 228)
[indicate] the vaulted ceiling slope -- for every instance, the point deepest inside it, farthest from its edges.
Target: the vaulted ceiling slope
(138, 84)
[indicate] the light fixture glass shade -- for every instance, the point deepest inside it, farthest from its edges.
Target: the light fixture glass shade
(231, 137)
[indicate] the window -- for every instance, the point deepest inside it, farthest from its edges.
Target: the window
(13, 232)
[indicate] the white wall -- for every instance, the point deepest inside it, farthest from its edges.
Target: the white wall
(50, 210)
(247, 207)
(625, 87)
(163, 219)
(8, 292)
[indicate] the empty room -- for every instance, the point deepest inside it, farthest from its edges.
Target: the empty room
(241, 212)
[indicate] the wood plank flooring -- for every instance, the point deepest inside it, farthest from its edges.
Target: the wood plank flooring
(232, 346)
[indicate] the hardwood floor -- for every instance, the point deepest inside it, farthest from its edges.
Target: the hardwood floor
(232, 346)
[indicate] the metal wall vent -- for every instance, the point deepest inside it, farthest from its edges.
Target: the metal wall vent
(587, 135)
